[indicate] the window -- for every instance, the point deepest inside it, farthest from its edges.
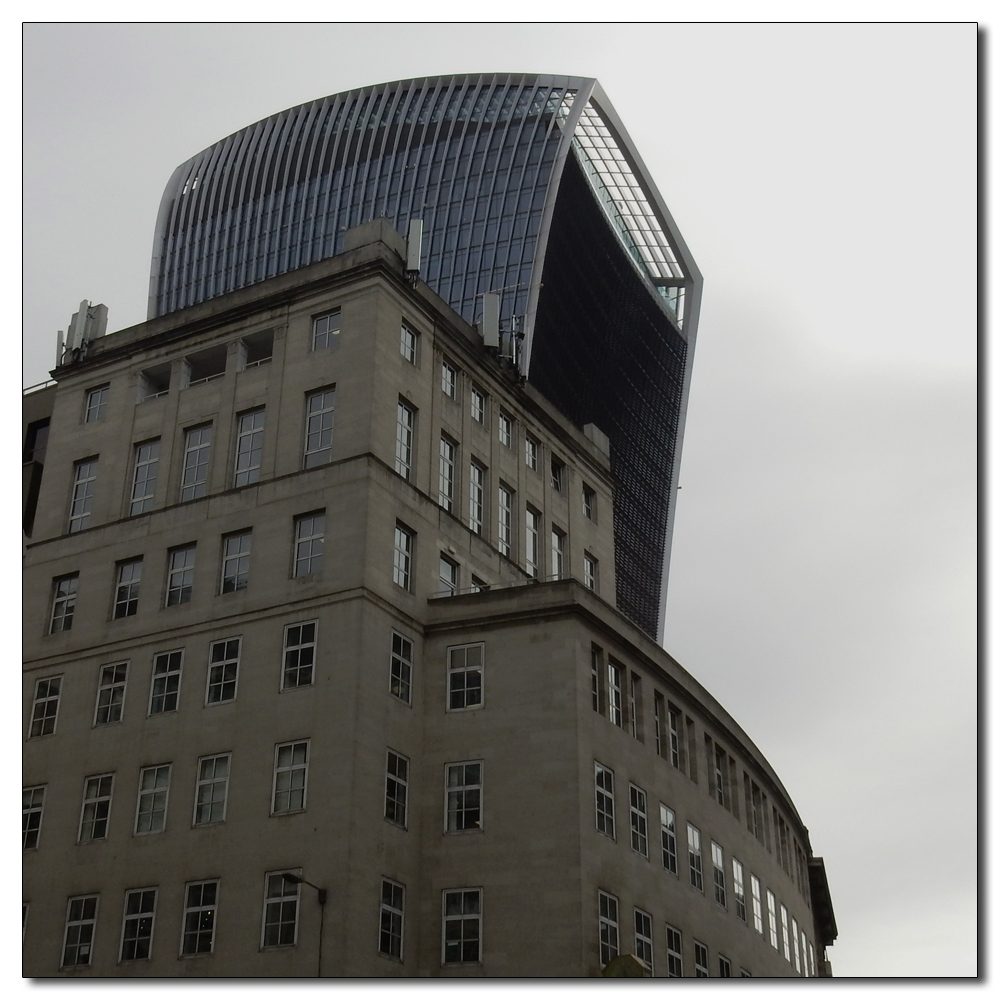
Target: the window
(725, 968)
(402, 557)
(180, 576)
(166, 682)
(589, 503)
(137, 924)
(145, 465)
(446, 474)
(204, 366)
(719, 774)
(465, 676)
(700, 961)
(404, 438)
(291, 762)
(604, 793)
(408, 344)
(558, 553)
(235, 562)
(154, 382)
(596, 669)
(668, 838)
(151, 809)
(505, 429)
(784, 933)
(200, 901)
(530, 452)
(772, 920)
(658, 711)
(211, 789)
(249, 447)
(84, 477)
(400, 667)
(448, 576)
(449, 380)
(256, 349)
(531, 518)
(795, 946)
(644, 939)
(110, 694)
(32, 804)
(127, 588)
(812, 960)
(194, 475)
(615, 693)
(478, 405)
(675, 954)
(674, 735)
(637, 819)
(635, 706)
(719, 874)
(397, 769)
(607, 924)
(505, 531)
(81, 920)
(390, 920)
(461, 938)
(558, 474)
(739, 893)
(45, 707)
(479, 586)
(97, 403)
(463, 793)
(758, 917)
(299, 658)
(477, 495)
(309, 532)
(223, 668)
(589, 572)
(96, 807)
(325, 330)
(281, 911)
(694, 856)
(63, 602)
(319, 428)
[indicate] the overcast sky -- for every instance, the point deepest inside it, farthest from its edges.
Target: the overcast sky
(823, 574)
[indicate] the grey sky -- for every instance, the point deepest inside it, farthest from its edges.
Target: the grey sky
(823, 176)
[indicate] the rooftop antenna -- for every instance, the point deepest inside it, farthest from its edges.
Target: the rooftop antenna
(414, 239)
(88, 323)
(491, 319)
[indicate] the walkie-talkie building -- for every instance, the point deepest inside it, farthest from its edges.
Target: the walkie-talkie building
(526, 185)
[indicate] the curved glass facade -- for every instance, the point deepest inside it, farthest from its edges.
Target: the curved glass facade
(503, 169)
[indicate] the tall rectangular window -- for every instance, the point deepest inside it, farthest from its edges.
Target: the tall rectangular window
(739, 892)
(151, 808)
(144, 471)
(615, 693)
(325, 330)
(477, 496)
(96, 807)
(318, 449)
(405, 418)
(558, 554)
(166, 685)
(607, 925)
(700, 961)
(194, 475)
(725, 968)
(477, 405)
(281, 911)
(675, 953)
(127, 588)
(249, 447)
(449, 380)
(137, 924)
(505, 531)
(400, 667)
(465, 676)
(531, 452)
(635, 705)
(589, 503)
(637, 819)
(236, 562)
(505, 429)
(309, 540)
(446, 474)
(402, 556)
(758, 913)
(448, 576)
(390, 920)
(200, 902)
(464, 796)
(408, 344)
(180, 575)
(668, 839)
(557, 474)
(97, 403)
(291, 764)
(719, 874)
(45, 707)
(644, 939)
(397, 771)
(659, 711)
(694, 856)
(590, 572)
(461, 931)
(604, 794)
(795, 945)
(719, 775)
(78, 939)
(63, 602)
(784, 933)
(84, 478)
(32, 804)
(772, 920)
(223, 670)
(597, 698)
(299, 659)
(531, 519)
(674, 735)
(211, 789)
(110, 694)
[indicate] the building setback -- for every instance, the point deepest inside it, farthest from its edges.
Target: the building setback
(326, 669)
